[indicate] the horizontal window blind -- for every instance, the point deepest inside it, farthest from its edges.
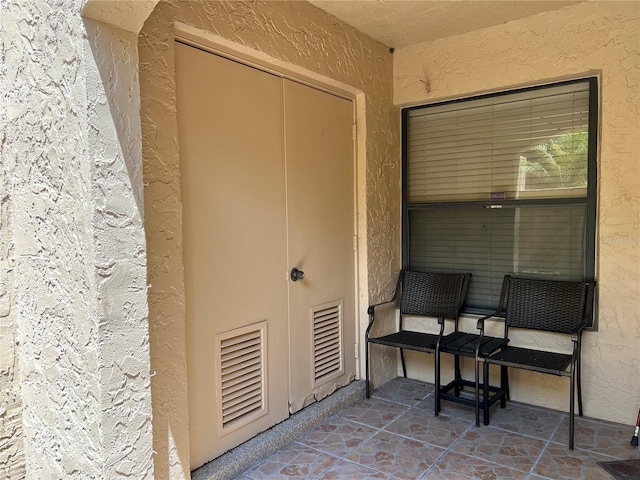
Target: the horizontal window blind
(509, 145)
(502, 185)
(535, 242)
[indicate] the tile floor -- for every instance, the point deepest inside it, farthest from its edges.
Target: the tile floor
(394, 435)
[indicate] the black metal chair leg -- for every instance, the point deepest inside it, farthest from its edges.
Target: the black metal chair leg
(485, 394)
(504, 374)
(579, 386)
(504, 385)
(457, 375)
(437, 386)
(404, 367)
(366, 369)
(571, 408)
(477, 394)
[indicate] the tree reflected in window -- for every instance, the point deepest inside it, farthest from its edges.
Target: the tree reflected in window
(561, 162)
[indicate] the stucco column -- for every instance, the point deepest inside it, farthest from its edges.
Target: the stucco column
(75, 244)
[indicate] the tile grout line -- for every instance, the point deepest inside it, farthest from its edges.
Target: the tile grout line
(447, 450)
(544, 449)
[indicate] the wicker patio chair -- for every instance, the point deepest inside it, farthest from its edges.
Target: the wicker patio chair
(436, 295)
(545, 305)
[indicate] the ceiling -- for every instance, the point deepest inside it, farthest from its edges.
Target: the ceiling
(398, 23)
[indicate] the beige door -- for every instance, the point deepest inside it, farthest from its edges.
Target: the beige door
(320, 204)
(232, 181)
(251, 330)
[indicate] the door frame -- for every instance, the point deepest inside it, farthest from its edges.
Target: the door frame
(254, 58)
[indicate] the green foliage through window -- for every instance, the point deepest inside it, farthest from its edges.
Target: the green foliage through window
(560, 162)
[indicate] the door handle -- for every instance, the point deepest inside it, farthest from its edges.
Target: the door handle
(296, 274)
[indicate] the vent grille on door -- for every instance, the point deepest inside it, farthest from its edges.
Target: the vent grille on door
(327, 341)
(242, 381)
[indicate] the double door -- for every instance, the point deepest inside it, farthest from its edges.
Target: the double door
(267, 186)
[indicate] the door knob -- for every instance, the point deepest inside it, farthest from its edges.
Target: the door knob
(296, 274)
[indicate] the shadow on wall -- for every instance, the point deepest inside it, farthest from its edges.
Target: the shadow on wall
(115, 138)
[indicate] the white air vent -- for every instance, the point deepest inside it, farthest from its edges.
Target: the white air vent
(241, 355)
(327, 341)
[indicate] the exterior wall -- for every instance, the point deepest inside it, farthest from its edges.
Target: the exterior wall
(293, 33)
(591, 37)
(11, 445)
(119, 263)
(73, 296)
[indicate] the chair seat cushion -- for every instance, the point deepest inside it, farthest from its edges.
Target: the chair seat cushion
(423, 342)
(461, 343)
(535, 360)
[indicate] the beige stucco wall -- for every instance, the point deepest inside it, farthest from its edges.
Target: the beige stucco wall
(73, 307)
(11, 445)
(307, 40)
(593, 37)
(120, 264)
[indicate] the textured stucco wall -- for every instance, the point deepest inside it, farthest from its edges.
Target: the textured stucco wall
(120, 267)
(11, 434)
(11, 443)
(75, 306)
(301, 35)
(591, 37)
(11, 446)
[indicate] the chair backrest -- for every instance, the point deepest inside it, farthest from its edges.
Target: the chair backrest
(551, 305)
(433, 294)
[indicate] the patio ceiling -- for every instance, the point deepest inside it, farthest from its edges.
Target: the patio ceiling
(399, 23)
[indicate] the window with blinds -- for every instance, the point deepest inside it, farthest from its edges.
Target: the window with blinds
(502, 184)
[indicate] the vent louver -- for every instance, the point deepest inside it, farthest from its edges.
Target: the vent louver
(327, 341)
(242, 376)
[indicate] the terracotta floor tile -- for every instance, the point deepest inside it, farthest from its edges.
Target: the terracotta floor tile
(396, 455)
(559, 462)
(423, 426)
(346, 470)
(535, 422)
(460, 467)
(338, 436)
(448, 408)
(403, 390)
(374, 412)
(501, 447)
(295, 461)
(597, 436)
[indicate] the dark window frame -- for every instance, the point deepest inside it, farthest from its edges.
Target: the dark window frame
(590, 229)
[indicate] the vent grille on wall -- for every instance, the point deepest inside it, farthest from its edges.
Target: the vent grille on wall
(242, 380)
(327, 341)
